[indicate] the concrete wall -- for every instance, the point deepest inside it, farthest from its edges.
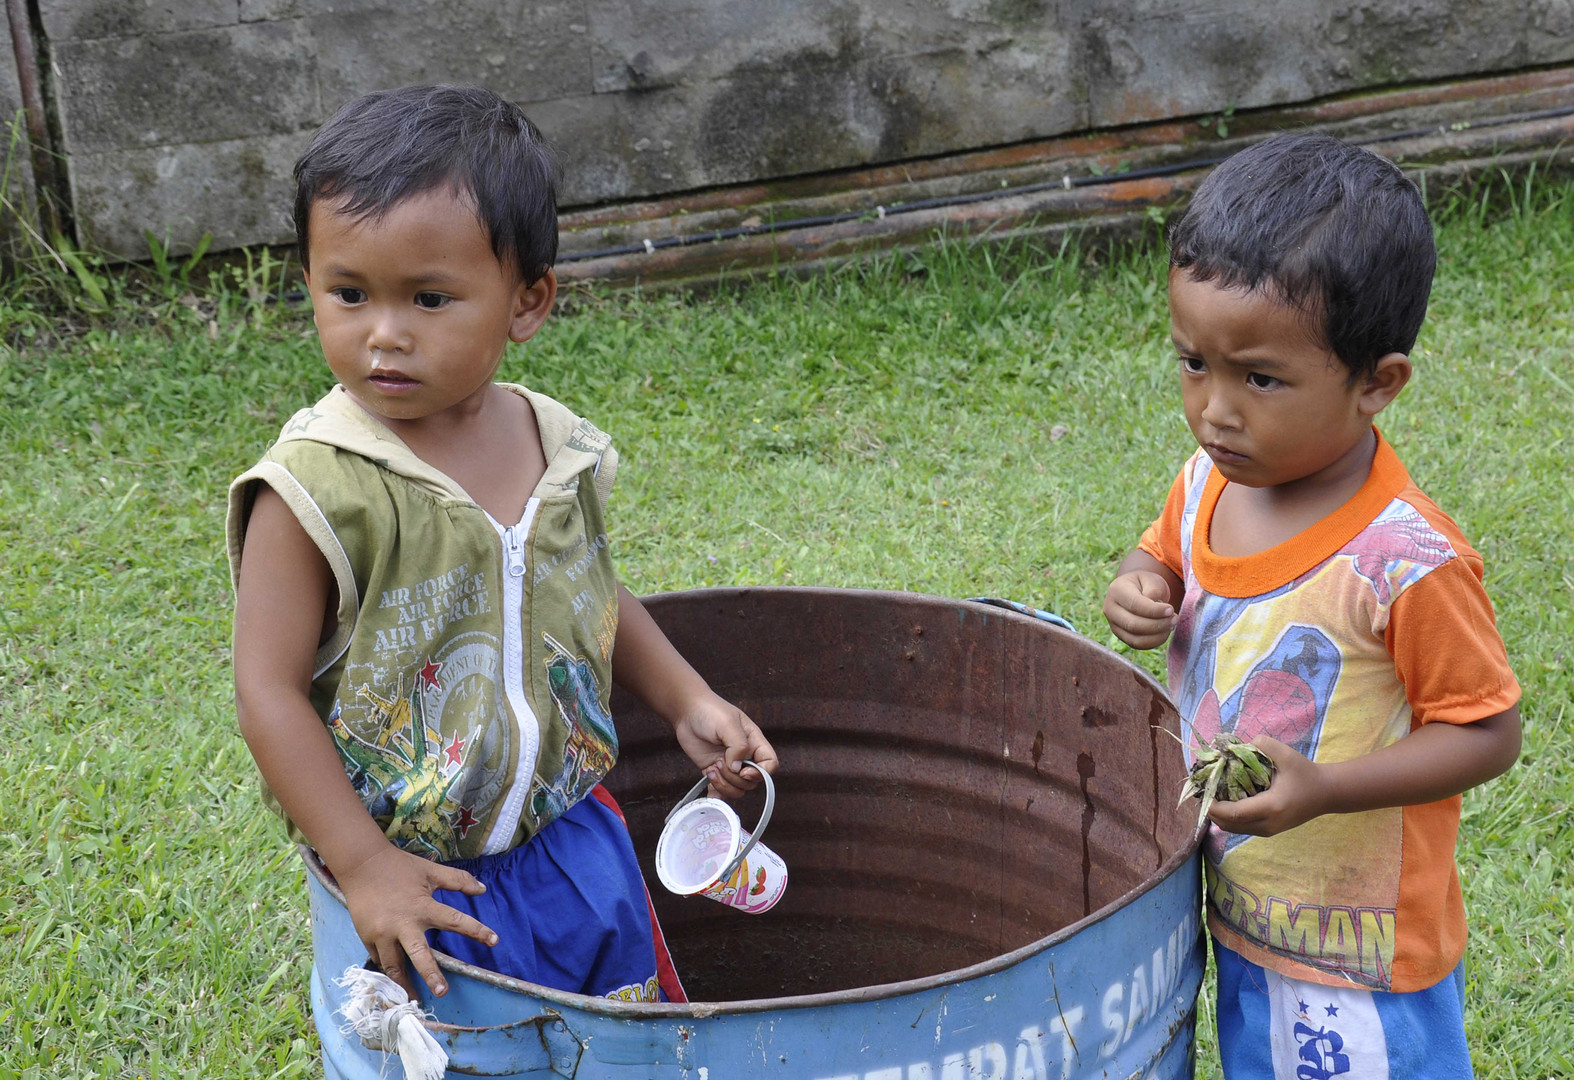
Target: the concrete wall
(185, 116)
(16, 187)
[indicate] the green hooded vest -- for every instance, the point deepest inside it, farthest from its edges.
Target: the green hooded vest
(467, 685)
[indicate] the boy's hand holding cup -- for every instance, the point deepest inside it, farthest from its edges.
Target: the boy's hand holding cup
(718, 737)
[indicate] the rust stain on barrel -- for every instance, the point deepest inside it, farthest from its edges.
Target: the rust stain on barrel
(1085, 770)
(1095, 717)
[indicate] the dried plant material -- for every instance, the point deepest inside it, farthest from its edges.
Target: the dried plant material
(1227, 769)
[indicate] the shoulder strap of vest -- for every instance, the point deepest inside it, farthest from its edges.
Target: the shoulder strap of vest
(278, 476)
(572, 444)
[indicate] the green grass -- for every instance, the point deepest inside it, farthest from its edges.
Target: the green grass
(961, 423)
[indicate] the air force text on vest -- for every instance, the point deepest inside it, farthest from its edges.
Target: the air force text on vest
(430, 605)
(582, 553)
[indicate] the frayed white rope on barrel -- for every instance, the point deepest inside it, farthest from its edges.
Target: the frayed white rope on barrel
(379, 1011)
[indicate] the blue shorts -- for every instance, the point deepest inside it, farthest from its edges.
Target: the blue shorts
(570, 911)
(1272, 1027)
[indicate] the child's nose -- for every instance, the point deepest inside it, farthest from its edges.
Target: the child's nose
(1219, 411)
(389, 333)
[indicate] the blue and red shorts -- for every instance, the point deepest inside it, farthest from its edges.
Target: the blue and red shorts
(570, 910)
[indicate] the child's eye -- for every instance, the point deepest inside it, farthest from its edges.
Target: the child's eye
(1258, 381)
(1192, 365)
(347, 295)
(430, 300)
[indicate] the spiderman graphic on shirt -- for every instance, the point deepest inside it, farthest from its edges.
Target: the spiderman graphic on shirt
(1286, 694)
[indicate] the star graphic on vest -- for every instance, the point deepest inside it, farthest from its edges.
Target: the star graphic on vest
(1331, 1010)
(455, 751)
(429, 672)
(302, 420)
(1304, 1006)
(466, 822)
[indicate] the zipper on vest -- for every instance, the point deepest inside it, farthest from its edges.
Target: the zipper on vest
(514, 654)
(514, 552)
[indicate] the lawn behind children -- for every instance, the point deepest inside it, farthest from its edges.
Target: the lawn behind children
(959, 423)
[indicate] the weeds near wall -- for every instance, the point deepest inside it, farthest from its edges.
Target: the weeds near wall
(53, 288)
(1219, 123)
(169, 272)
(1499, 195)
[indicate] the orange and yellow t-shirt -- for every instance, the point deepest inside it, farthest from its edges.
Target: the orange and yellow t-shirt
(1339, 642)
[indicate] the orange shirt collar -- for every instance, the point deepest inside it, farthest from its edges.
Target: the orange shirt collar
(1253, 575)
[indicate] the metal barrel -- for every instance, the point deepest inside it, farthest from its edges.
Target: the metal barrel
(989, 879)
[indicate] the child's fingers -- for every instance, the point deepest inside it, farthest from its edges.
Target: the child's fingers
(1244, 816)
(1142, 594)
(1137, 631)
(724, 781)
(730, 776)
(1275, 749)
(455, 880)
(1146, 607)
(1267, 813)
(390, 961)
(455, 921)
(425, 963)
(1136, 623)
(1154, 588)
(763, 755)
(736, 752)
(1229, 816)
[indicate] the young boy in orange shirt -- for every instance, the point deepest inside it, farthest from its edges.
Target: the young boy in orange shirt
(1320, 606)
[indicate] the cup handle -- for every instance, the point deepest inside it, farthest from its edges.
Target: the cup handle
(694, 793)
(755, 833)
(759, 827)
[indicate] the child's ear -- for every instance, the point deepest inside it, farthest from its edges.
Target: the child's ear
(532, 305)
(1384, 383)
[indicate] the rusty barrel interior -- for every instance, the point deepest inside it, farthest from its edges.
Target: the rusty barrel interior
(957, 781)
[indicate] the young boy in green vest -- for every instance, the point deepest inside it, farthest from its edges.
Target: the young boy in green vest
(427, 619)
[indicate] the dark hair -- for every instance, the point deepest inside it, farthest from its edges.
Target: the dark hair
(1330, 228)
(392, 144)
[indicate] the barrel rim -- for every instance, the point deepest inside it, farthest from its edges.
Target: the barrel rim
(623, 1010)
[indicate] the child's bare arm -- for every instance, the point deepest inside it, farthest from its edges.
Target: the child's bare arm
(715, 734)
(1433, 762)
(1142, 602)
(281, 597)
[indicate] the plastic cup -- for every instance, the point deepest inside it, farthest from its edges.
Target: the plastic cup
(704, 850)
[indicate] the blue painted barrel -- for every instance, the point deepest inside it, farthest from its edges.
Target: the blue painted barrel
(990, 879)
